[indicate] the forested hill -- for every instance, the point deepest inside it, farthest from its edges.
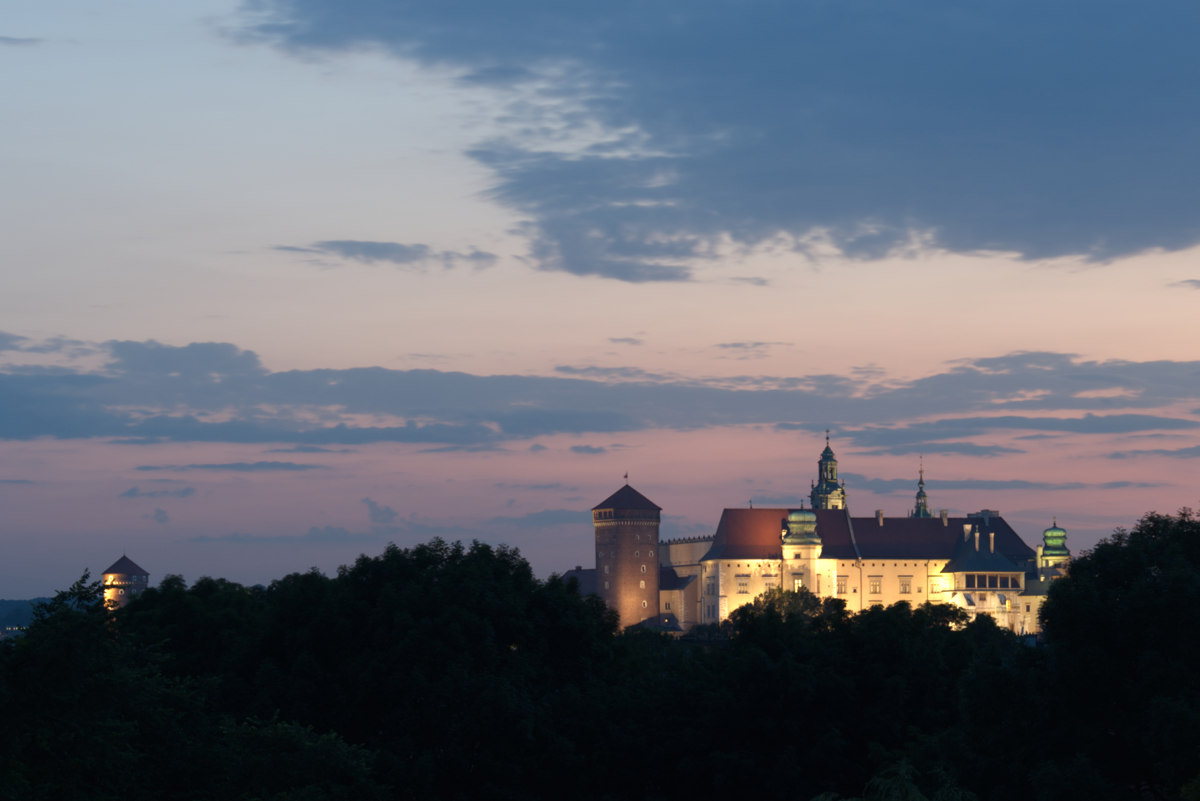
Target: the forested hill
(17, 613)
(450, 672)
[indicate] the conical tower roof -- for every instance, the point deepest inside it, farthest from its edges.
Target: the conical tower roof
(627, 498)
(126, 567)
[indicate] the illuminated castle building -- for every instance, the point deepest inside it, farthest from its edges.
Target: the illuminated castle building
(123, 582)
(977, 562)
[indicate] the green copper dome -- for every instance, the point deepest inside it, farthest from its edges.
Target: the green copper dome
(800, 528)
(1054, 539)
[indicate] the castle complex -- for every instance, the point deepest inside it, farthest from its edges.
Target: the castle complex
(977, 563)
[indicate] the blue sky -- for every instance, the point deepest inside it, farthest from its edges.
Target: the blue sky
(287, 280)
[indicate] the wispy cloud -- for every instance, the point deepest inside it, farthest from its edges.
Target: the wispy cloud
(150, 393)
(1190, 452)
(235, 467)
(397, 253)
(182, 492)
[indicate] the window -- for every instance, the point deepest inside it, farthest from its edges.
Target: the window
(637, 554)
(874, 584)
(1004, 582)
(841, 585)
(606, 585)
(906, 585)
(743, 584)
(797, 584)
(642, 584)
(668, 606)
(644, 604)
(650, 554)
(970, 581)
(643, 568)
(606, 570)
(1026, 608)
(711, 587)
(993, 582)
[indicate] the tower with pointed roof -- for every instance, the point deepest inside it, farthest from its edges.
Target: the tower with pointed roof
(826, 492)
(626, 524)
(921, 509)
(123, 581)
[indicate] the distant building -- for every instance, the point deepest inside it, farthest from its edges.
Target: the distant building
(977, 562)
(123, 581)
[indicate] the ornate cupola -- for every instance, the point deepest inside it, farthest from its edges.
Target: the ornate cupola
(800, 528)
(922, 507)
(1054, 548)
(827, 493)
(801, 541)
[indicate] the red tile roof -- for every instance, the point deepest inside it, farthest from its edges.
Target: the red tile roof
(755, 534)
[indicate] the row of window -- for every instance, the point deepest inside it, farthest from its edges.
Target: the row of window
(991, 581)
(874, 584)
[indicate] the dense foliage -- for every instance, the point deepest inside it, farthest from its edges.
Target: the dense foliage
(445, 672)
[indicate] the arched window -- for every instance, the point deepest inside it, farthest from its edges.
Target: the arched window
(643, 568)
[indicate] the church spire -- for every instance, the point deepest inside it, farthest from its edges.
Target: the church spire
(826, 493)
(922, 506)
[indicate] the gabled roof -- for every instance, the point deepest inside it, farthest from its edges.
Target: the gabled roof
(627, 498)
(127, 567)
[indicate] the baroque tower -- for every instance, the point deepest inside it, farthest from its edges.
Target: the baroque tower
(827, 493)
(922, 506)
(123, 581)
(627, 554)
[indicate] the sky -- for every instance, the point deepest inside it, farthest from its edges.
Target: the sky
(283, 281)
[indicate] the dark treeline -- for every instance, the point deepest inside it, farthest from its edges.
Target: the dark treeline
(450, 672)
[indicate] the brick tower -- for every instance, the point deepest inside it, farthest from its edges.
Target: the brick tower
(627, 554)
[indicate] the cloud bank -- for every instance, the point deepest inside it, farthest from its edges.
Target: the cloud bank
(151, 393)
(637, 137)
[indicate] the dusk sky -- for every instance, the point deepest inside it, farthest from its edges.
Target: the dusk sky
(286, 280)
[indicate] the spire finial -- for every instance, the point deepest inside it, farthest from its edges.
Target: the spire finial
(827, 437)
(626, 476)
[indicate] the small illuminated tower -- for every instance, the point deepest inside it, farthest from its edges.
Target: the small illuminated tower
(626, 525)
(1053, 553)
(922, 507)
(123, 582)
(827, 493)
